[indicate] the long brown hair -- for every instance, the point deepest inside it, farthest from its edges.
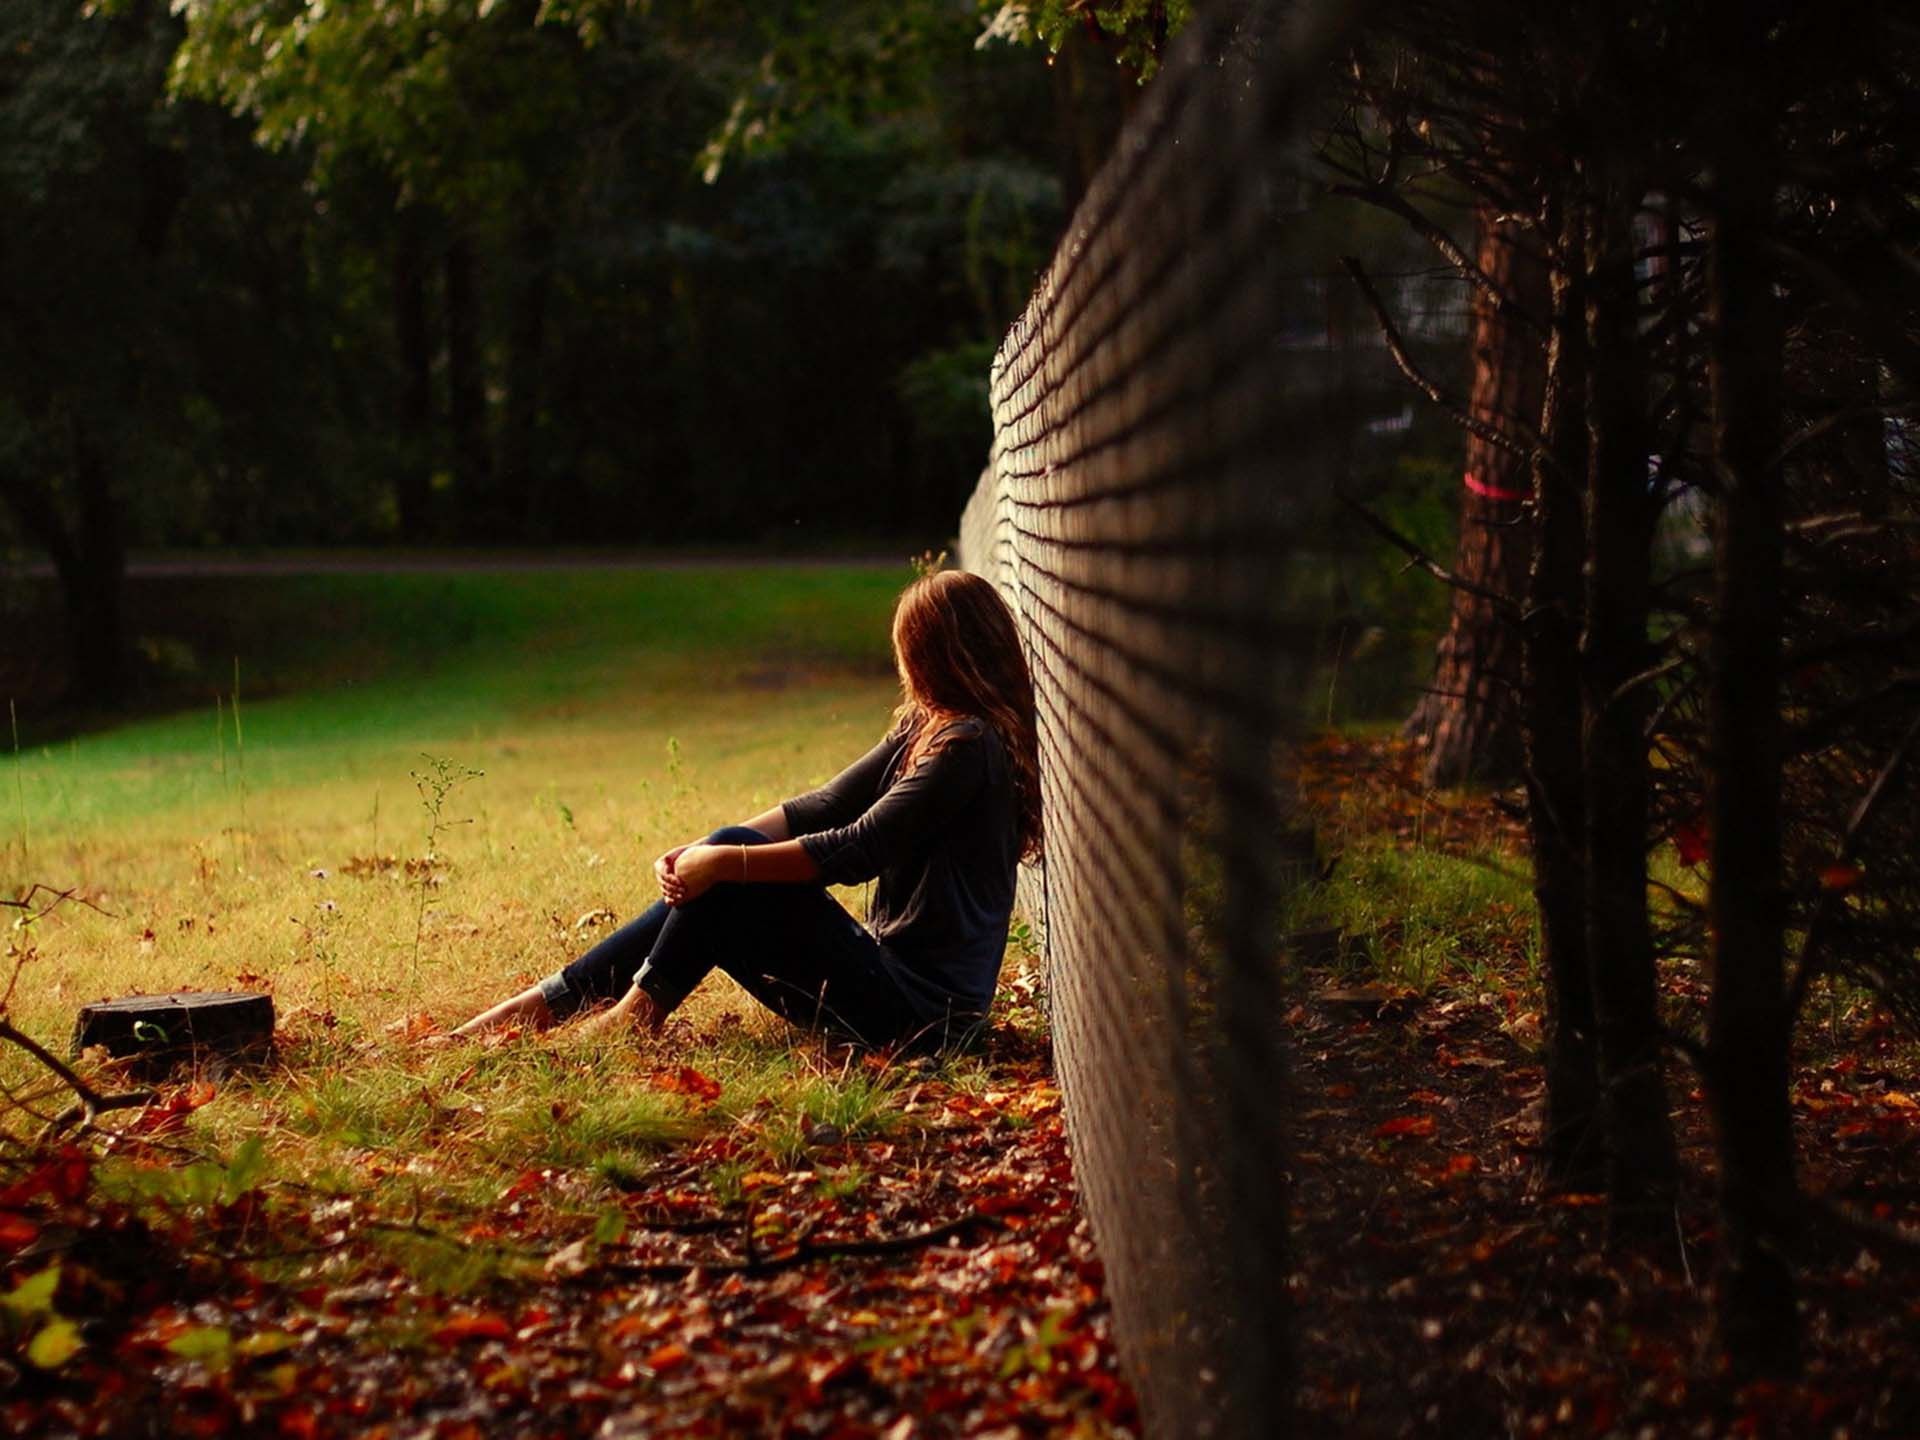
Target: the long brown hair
(959, 654)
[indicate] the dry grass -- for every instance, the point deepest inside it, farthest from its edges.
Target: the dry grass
(322, 877)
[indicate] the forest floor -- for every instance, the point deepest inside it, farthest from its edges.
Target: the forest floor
(930, 1275)
(405, 796)
(733, 1232)
(1443, 1290)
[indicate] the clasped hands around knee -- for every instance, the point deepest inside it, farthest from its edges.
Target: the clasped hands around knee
(687, 872)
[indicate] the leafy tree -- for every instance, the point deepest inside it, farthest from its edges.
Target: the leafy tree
(92, 181)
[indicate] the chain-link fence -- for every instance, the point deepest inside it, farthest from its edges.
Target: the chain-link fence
(1172, 415)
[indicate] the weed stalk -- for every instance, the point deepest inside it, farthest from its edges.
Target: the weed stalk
(19, 785)
(436, 783)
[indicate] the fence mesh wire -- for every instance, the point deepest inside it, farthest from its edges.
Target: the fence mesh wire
(1172, 415)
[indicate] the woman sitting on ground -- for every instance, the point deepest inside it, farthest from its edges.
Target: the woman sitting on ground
(939, 813)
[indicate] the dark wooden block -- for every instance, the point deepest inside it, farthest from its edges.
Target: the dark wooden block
(162, 1030)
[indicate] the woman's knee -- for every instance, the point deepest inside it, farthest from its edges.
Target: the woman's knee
(736, 835)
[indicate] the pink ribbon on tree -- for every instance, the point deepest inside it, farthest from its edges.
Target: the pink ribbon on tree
(1494, 492)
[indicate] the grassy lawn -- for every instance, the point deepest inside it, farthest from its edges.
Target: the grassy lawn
(436, 788)
(577, 723)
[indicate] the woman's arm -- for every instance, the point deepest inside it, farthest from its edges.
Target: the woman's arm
(904, 821)
(701, 867)
(771, 823)
(842, 799)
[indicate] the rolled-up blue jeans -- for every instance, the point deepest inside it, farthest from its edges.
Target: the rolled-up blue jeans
(792, 947)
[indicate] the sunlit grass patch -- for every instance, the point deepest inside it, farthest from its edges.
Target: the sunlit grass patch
(593, 721)
(1418, 917)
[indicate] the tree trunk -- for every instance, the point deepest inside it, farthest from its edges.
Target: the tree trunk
(1556, 806)
(466, 386)
(526, 350)
(1614, 650)
(93, 571)
(1749, 1027)
(1091, 99)
(413, 484)
(1469, 720)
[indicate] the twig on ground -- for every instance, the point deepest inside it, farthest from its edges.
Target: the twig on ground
(804, 1253)
(90, 1103)
(1887, 1238)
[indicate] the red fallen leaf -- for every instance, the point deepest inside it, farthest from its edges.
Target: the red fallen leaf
(1424, 1097)
(17, 1231)
(1690, 840)
(473, 1327)
(1459, 1165)
(1577, 1200)
(823, 1373)
(64, 1177)
(1008, 1204)
(529, 1182)
(670, 1356)
(300, 1423)
(1840, 877)
(164, 1116)
(1405, 1125)
(685, 1080)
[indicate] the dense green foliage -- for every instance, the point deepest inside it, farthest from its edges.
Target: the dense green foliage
(483, 276)
(1136, 31)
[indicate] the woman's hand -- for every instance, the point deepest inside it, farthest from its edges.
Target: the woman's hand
(663, 873)
(692, 870)
(666, 870)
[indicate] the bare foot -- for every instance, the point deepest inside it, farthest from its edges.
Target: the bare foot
(634, 1014)
(526, 1011)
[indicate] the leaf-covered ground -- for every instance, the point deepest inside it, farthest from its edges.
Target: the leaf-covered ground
(939, 1281)
(1442, 1290)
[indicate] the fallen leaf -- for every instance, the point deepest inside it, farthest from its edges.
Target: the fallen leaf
(1690, 840)
(685, 1080)
(1840, 877)
(56, 1343)
(670, 1356)
(477, 1326)
(64, 1177)
(1405, 1125)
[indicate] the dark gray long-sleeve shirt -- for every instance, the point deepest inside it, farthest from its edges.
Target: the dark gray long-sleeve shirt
(943, 843)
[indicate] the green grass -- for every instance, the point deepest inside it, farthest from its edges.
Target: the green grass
(340, 676)
(611, 715)
(1423, 917)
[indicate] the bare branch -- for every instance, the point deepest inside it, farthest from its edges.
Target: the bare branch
(91, 1102)
(1526, 449)
(1830, 900)
(1505, 604)
(1397, 204)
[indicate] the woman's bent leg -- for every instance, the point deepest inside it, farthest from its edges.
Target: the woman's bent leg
(792, 947)
(602, 974)
(605, 972)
